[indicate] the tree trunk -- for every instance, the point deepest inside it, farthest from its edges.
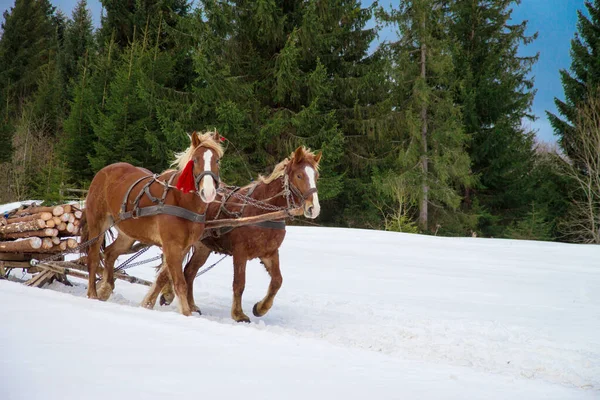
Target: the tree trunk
(41, 215)
(23, 226)
(31, 245)
(55, 210)
(423, 214)
(47, 232)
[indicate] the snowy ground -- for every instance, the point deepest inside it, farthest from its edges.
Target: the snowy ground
(361, 313)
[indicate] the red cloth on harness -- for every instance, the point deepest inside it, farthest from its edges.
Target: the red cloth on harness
(185, 182)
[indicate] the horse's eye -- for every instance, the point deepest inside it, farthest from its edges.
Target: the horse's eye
(299, 176)
(217, 161)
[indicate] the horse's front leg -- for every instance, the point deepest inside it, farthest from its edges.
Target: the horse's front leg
(173, 256)
(239, 284)
(271, 264)
(197, 260)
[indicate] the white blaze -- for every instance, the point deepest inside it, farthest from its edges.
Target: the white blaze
(208, 183)
(310, 172)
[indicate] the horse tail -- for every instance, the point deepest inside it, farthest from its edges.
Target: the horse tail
(84, 232)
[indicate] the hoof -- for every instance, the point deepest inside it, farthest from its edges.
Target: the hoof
(255, 311)
(165, 301)
(241, 318)
(104, 291)
(195, 309)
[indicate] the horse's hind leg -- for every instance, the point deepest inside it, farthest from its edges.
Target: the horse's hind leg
(271, 264)
(162, 280)
(239, 284)
(121, 244)
(93, 254)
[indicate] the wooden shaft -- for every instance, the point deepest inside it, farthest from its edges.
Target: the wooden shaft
(235, 222)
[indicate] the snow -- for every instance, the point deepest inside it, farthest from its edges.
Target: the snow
(360, 313)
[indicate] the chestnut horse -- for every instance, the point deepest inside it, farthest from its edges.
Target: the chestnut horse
(295, 177)
(115, 186)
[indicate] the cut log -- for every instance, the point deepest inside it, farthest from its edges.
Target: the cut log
(56, 240)
(23, 226)
(70, 227)
(77, 222)
(65, 217)
(47, 243)
(62, 227)
(47, 232)
(63, 245)
(31, 245)
(42, 215)
(66, 208)
(55, 210)
(50, 223)
(78, 214)
(71, 218)
(72, 243)
(56, 220)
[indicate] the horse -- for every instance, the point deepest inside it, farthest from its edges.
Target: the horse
(292, 182)
(178, 220)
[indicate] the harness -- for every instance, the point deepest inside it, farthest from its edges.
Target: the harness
(160, 207)
(289, 191)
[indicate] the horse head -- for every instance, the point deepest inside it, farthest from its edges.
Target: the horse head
(200, 165)
(302, 174)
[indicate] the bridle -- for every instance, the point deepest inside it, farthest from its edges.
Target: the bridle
(289, 188)
(198, 178)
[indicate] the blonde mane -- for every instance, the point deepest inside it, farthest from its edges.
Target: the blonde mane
(206, 140)
(279, 169)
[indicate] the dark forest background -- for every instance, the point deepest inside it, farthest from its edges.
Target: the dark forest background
(424, 134)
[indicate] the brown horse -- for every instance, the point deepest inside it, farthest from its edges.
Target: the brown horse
(114, 187)
(297, 176)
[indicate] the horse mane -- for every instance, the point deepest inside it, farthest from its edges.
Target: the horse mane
(206, 140)
(279, 169)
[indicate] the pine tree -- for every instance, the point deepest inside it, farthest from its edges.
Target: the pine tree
(583, 78)
(497, 92)
(431, 159)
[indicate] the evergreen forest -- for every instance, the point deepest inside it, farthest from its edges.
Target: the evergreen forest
(426, 133)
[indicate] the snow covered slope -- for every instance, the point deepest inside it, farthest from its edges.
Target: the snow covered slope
(360, 314)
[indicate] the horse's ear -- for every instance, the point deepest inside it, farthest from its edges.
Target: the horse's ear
(195, 139)
(298, 155)
(318, 156)
(216, 136)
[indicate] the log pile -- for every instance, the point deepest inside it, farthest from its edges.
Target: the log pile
(37, 229)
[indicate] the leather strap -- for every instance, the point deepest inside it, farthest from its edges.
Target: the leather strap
(163, 209)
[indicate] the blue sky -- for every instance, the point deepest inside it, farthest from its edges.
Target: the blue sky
(554, 20)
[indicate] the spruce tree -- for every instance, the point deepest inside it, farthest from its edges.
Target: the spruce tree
(284, 73)
(28, 40)
(583, 77)
(78, 43)
(431, 163)
(496, 95)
